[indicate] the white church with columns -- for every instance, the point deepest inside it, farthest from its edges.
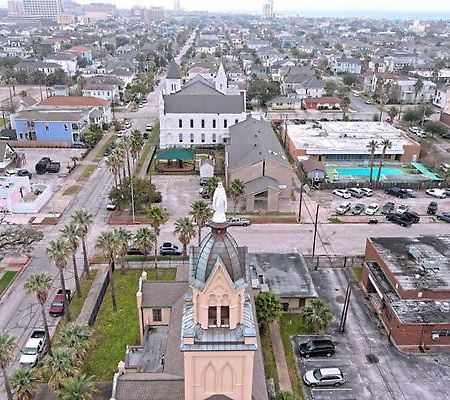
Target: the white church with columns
(200, 112)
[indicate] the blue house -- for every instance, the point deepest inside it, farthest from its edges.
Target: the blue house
(50, 126)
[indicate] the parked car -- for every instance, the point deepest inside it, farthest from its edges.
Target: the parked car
(388, 208)
(57, 304)
(145, 135)
(79, 145)
(398, 219)
(358, 209)
(342, 193)
(439, 193)
(343, 208)
(397, 192)
(111, 206)
(54, 167)
(444, 216)
(324, 377)
(432, 208)
(367, 192)
(169, 249)
(24, 172)
(33, 349)
(148, 128)
(42, 165)
(127, 124)
(402, 208)
(412, 216)
(238, 221)
(204, 181)
(356, 192)
(372, 209)
(316, 347)
(410, 193)
(134, 251)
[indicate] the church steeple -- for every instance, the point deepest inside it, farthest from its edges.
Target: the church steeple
(221, 82)
(173, 78)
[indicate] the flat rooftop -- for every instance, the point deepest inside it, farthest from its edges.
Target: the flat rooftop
(420, 263)
(346, 137)
(286, 275)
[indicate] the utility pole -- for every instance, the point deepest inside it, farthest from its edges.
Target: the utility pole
(300, 204)
(315, 230)
(345, 309)
(132, 199)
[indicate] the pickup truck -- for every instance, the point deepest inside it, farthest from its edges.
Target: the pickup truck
(238, 222)
(57, 305)
(33, 349)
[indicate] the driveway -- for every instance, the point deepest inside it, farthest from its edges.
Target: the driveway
(374, 368)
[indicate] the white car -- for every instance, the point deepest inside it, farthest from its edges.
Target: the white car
(343, 208)
(149, 128)
(372, 209)
(402, 208)
(439, 193)
(111, 206)
(342, 193)
(366, 192)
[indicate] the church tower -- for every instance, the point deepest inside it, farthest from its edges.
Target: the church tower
(173, 78)
(218, 337)
(221, 81)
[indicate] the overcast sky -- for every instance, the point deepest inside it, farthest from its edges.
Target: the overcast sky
(301, 5)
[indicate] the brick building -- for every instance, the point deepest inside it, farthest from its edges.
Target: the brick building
(408, 283)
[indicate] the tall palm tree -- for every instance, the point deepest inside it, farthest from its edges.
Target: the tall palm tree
(123, 237)
(392, 112)
(109, 245)
(236, 191)
(77, 388)
(143, 239)
(137, 143)
(84, 220)
(40, 285)
(61, 365)
(117, 155)
(185, 230)
(75, 336)
(212, 184)
(126, 143)
(418, 86)
(24, 383)
(372, 147)
(122, 153)
(157, 218)
(58, 250)
(71, 233)
(201, 213)
(386, 144)
(112, 162)
(7, 348)
(345, 101)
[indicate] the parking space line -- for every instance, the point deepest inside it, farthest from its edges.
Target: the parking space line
(330, 389)
(324, 359)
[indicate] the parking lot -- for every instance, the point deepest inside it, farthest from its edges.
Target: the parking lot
(374, 369)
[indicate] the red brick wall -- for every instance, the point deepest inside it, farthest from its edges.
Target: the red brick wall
(445, 118)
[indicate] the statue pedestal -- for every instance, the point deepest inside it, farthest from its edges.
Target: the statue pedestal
(218, 228)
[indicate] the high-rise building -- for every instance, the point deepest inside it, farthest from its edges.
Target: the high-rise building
(176, 5)
(48, 9)
(15, 8)
(99, 11)
(268, 9)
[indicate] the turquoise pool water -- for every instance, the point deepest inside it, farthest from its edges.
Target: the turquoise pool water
(365, 171)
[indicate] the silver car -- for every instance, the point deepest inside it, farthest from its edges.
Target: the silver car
(324, 377)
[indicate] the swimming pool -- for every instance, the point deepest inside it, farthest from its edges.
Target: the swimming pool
(365, 171)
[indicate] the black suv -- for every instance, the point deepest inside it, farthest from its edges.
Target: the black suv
(432, 208)
(397, 192)
(316, 347)
(412, 216)
(399, 219)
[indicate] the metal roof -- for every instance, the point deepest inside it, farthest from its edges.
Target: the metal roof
(260, 185)
(179, 103)
(172, 71)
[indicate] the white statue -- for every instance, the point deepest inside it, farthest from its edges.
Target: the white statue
(219, 204)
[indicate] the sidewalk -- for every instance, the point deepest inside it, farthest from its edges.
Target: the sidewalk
(280, 359)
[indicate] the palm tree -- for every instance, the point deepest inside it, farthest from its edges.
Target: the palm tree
(123, 237)
(372, 146)
(268, 307)
(75, 336)
(185, 230)
(61, 365)
(40, 285)
(386, 144)
(7, 348)
(84, 220)
(201, 214)
(137, 143)
(77, 388)
(317, 315)
(418, 86)
(109, 245)
(212, 184)
(58, 250)
(393, 112)
(117, 155)
(24, 383)
(345, 106)
(236, 191)
(126, 143)
(157, 218)
(112, 163)
(143, 239)
(71, 233)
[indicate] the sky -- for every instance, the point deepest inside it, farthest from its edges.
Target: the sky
(408, 6)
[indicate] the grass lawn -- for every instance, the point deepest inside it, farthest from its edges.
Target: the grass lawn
(6, 279)
(143, 156)
(100, 152)
(71, 190)
(113, 331)
(290, 325)
(357, 271)
(269, 359)
(88, 170)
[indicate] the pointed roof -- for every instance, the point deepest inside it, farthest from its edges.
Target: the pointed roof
(221, 72)
(173, 72)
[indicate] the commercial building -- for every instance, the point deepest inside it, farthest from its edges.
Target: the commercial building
(347, 141)
(408, 283)
(49, 9)
(268, 9)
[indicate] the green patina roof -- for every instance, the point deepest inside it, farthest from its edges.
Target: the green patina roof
(175, 154)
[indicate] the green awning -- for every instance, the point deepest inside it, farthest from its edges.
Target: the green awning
(175, 154)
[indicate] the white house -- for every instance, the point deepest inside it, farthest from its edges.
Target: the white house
(67, 62)
(198, 114)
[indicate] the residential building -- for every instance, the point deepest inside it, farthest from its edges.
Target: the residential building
(9, 158)
(199, 113)
(302, 82)
(445, 114)
(344, 65)
(407, 280)
(81, 52)
(323, 103)
(102, 91)
(347, 141)
(199, 334)
(313, 170)
(48, 9)
(285, 103)
(66, 61)
(57, 126)
(31, 66)
(254, 155)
